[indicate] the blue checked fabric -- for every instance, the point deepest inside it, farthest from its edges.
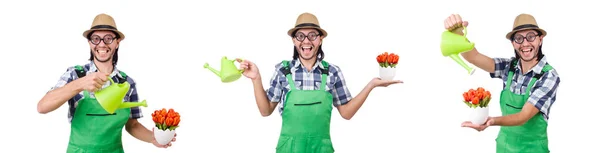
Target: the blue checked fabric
(71, 75)
(305, 80)
(543, 92)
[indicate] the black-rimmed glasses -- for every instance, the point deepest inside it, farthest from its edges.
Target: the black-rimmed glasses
(312, 36)
(520, 38)
(108, 39)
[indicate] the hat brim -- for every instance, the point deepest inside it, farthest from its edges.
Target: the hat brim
(87, 32)
(532, 28)
(323, 32)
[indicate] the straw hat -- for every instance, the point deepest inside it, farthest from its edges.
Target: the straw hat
(307, 20)
(524, 22)
(103, 22)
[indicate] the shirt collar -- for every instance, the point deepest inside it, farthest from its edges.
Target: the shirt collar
(297, 64)
(115, 71)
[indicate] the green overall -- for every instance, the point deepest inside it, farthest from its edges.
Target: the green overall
(306, 118)
(530, 137)
(93, 130)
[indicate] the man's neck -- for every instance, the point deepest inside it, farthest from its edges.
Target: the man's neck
(527, 65)
(308, 64)
(106, 67)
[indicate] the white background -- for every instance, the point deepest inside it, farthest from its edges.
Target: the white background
(167, 43)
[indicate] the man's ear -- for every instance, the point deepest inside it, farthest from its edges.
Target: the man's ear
(118, 42)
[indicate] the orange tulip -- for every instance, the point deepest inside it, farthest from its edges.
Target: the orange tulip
(382, 58)
(475, 101)
(169, 122)
(176, 121)
(393, 58)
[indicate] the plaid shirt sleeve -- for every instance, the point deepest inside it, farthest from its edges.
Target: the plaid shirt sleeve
(341, 94)
(66, 78)
(543, 93)
(136, 112)
(275, 90)
(501, 66)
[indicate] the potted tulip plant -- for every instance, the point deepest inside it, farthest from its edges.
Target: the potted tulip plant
(387, 65)
(165, 124)
(478, 99)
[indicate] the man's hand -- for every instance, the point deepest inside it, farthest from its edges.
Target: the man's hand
(250, 69)
(377, 82)
(454, 22)
(488, 122)
(93, 82)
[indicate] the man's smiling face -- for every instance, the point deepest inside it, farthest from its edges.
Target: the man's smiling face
(527, 44)
(307, 43)
(103, 45)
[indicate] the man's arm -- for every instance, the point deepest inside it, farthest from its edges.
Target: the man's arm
(65, 89)
(133, 126)
(265, 106)
(342, 98)
(542, 97)
(267, 100)
(474, 57)
(139, 131)
(349, 109)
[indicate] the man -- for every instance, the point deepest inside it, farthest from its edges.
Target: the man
(307, 87)
(530, 86)
(92, 129)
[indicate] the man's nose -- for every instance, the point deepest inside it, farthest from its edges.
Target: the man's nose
(101, 43)
(526, 43)
(305, 40)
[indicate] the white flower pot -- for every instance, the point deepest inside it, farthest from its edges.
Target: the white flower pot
(163, 137)
(387, 73)
(479, 115)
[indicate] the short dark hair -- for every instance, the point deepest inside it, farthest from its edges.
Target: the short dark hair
(115, 57)
(320, 53)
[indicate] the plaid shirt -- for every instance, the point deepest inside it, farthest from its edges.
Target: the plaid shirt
(71, 75)
(305, 80)
(543, 92)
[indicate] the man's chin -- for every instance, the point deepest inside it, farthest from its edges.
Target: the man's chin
(102, 60)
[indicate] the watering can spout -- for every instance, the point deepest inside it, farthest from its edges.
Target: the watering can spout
(216, 72)
(133, 104)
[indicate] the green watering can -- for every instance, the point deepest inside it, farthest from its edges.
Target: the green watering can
(111, 97)
(454, 44)
(229, 72)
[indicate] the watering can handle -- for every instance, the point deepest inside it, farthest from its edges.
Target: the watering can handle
(111, 81)
(464, 31)
(236, 60)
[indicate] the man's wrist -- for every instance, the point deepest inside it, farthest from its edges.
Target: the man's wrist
(76, 85)
(258, 79)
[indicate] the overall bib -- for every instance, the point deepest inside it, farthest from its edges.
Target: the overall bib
(305, 121)
(530, 137)
(93, 130)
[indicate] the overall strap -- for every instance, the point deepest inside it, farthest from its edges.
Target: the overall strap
(286, 70)
(324, 73)
(511, 73)
(80, 74)
(537, 76)
(124, 77)
(80, 71)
